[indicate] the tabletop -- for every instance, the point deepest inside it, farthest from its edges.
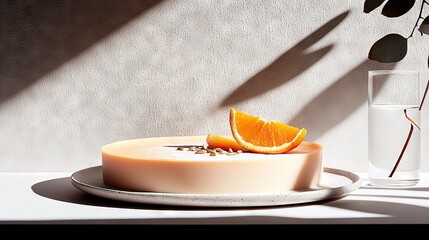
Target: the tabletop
(50, 197)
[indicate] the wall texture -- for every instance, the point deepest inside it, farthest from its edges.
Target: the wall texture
(75, 75)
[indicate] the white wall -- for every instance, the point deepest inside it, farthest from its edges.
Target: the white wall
(76, 75)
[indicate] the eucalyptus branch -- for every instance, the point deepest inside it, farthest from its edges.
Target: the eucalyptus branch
(422, 100)
(393, 48)
(418, 19)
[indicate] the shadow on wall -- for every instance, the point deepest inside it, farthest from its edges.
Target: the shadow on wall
(37, 37)
(331, 106)
(289, 65)
(338, 101)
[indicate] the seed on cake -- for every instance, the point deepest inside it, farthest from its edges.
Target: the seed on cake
(212, 151)
(201, 151)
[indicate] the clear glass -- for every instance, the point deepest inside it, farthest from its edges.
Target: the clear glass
(394, 127)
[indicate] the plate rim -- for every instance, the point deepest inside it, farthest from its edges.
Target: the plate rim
(220, 200)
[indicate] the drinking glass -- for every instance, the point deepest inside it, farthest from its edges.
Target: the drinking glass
(394, 127)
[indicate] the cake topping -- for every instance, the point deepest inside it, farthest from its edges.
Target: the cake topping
(255, 134)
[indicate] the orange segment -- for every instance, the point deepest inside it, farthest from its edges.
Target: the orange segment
(258, 135)
(224, 142)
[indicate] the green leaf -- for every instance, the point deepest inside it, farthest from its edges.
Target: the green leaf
(424, 26)
(396, 8)
(390, 48)
(370, 5)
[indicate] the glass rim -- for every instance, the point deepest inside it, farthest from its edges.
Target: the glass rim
(392, 71)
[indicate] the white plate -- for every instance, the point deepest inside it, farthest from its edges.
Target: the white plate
(334, 183)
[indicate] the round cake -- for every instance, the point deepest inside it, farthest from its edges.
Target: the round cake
(156, 165)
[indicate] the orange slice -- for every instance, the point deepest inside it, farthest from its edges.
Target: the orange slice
(258, 135)
(221, 141)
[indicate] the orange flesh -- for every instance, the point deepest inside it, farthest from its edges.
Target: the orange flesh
(221, 141)
(257, 135)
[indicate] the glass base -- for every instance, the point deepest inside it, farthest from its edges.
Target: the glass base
(392, 182)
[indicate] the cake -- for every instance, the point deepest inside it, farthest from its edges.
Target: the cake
(156, 165)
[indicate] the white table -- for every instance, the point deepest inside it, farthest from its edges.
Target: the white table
(50, 198)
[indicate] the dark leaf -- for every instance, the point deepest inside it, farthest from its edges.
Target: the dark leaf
(370, 5)
(390, 48)
(396, 8)
(424, 26)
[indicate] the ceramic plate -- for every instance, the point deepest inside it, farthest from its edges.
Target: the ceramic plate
(334, 183)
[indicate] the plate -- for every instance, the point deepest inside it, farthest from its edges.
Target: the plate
(334, 183)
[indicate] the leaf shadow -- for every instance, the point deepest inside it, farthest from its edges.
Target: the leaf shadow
(286, 67)
(338, 101)
(36, 37)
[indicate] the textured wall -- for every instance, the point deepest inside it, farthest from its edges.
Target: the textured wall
(75, 75)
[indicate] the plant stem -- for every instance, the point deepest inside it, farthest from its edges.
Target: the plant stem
(424, 96)
(410, 133)
(418, 19)
(403, 149)
(411, 120)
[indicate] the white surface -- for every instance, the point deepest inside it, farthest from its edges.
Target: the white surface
(75, 76)
(334, 183)
(51, 198)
